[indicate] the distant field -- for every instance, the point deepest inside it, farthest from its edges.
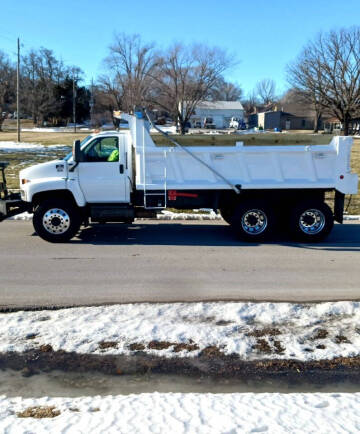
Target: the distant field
(21, 160)
(62, 138)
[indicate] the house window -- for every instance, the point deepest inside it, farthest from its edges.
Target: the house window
(303, 123)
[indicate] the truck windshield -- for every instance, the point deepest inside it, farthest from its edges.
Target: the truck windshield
(69, 155)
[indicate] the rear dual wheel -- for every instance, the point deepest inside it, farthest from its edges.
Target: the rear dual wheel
(253, 221)
(311, 221)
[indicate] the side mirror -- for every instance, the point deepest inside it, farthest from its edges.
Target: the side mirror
(76, 150)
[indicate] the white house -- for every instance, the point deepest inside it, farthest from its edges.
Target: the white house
(218, 113)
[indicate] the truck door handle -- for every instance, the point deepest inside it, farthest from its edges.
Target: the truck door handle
(121, 168)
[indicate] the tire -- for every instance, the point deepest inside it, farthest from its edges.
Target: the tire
(311, 221)
(253, 221)
(56, 220)
(227, 215)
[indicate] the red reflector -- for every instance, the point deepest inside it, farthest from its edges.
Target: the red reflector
(341, 176)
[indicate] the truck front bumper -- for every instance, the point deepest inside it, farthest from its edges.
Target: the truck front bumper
(12, 205)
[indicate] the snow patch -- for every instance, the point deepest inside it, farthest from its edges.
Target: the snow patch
(319, 413)
(164, 215)
(69, 128)
(24, 216)
(169, 215)
(288, 331)
(26, 147)
(164, 129)
(351, 217)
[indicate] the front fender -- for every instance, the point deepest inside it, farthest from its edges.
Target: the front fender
(52, 184)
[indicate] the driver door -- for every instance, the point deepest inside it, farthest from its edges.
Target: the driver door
(102, 174)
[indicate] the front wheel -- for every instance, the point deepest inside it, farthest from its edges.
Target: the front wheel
(311, 221)
(253, 221)
(56, 221)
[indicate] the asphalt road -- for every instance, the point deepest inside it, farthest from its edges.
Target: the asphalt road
(172, 261)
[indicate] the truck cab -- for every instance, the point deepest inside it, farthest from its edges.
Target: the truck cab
(97, 185)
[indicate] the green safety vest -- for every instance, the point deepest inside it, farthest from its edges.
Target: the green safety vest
(114, 156)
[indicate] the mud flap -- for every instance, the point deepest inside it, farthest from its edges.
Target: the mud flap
(339, 206)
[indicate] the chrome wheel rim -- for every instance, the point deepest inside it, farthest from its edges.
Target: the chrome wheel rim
(312, 221)
(254, 222)
(56, 221)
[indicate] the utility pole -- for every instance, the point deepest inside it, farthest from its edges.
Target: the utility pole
(74, 102)
(18, 90)
(92, 103)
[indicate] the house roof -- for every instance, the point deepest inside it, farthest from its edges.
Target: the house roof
(220, 105)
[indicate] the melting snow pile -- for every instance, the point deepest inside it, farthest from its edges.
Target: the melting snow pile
(25, 216)
(250, 330)
(164, 215)
(320, 413)
(169, 215)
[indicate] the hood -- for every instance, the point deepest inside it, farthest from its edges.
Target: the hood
(51, 169)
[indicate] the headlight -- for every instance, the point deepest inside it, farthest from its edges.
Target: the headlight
(25, 181)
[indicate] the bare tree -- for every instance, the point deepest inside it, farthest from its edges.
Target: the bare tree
(265, 91)
(7, 87)
(186, 75)
(328, 71)
(109, 96)
(250, 103)
(225, 91)
(41, 73)
(131, 65)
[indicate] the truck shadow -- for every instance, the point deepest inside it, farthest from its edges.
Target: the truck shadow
(343, 237)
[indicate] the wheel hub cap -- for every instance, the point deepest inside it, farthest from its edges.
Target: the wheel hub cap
(56, 221)
(254, 222)
(312, 221)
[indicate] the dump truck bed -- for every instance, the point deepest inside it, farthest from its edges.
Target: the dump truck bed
(252, 167)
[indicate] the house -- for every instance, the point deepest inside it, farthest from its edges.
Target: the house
(216, 113)
(290, 113)
(333, 125)
(281, 120)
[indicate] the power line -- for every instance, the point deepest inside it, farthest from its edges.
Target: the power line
(7, 38)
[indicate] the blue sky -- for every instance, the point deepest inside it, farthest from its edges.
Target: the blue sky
(264, 35)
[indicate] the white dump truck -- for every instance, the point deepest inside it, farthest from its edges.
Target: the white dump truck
(117, 176)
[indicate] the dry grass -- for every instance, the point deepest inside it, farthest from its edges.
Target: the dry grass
(39, 412)
(267, 331)
(104, 345)
(62, 138)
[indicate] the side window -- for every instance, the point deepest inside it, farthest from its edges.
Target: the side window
(102, 149)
